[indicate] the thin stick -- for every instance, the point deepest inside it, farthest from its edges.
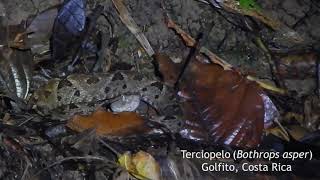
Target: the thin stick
(191, 55)
(109, 147)
(132, 26)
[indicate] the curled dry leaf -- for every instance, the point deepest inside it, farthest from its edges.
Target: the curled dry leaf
(142, 165)
(16, 71)
(108, 123)
(68, 26)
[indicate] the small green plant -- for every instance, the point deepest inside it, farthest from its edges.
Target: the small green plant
(249, 5)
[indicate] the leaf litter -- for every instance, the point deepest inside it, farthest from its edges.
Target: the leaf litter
(212, 106)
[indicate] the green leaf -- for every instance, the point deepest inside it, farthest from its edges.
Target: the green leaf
(249, 5)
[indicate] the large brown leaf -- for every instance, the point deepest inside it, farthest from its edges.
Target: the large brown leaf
(221, 106)
(228, 106)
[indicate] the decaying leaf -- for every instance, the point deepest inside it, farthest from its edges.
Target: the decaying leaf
(108, 123)
(40, 29)
(69, 24)
(16, 71)
(36, 34)
(278, 132)
(146, 165)
(297, 132)
(125, 160)
(142, 165)
(167, 67)
(41, 26)
(13, 36)
(220, 104)
(223, 106)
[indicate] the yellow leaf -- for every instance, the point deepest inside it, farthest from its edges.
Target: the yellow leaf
(125, 161)
(146, 165)
(297, 132)
(277, 131)
(141, 165)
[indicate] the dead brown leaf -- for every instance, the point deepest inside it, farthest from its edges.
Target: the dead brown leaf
(226, 106)
(166, 66)
(108, 123)
(220, 105)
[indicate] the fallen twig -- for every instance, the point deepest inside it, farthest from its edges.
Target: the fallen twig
(271, 61)
(132, 26)
(190, 42)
